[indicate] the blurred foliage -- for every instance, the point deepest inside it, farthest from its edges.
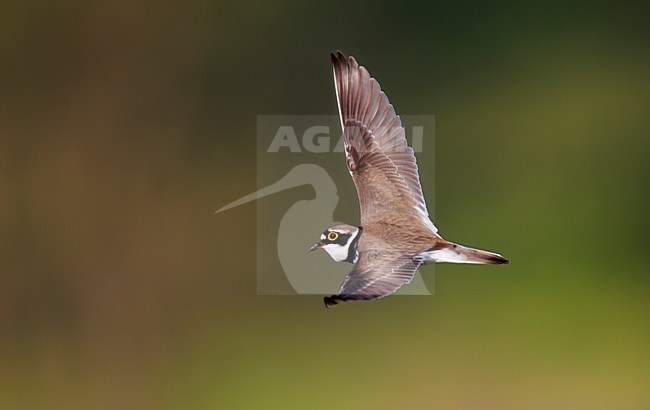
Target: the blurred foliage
(123, 126)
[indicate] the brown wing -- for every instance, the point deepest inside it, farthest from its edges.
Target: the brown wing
(381, 163)
(375, 275)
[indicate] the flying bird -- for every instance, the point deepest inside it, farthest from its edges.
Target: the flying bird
(395, 234)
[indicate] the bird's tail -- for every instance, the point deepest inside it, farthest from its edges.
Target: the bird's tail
(454, 253)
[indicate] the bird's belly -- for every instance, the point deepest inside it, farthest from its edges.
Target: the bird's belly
(445, 256)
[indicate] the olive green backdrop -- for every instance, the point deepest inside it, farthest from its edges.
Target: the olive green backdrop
(124, 125)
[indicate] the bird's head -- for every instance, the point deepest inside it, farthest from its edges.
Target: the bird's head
(340, 242)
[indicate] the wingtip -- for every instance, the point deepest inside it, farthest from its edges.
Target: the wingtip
(337, 57)
(331, 301)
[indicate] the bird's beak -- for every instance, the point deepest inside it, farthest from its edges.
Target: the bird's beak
(315, 246)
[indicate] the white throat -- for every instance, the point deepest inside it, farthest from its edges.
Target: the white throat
(337, 252)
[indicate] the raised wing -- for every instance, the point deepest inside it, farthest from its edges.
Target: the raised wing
(375, 275)
(381, 163)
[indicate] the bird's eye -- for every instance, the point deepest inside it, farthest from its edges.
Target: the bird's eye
(332, 236)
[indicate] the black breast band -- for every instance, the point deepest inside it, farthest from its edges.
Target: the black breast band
(352, 249)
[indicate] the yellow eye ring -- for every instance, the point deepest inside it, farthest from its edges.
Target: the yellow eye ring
(332, 236)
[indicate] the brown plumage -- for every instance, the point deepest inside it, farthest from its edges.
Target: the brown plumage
(396, 234)
(381, 163)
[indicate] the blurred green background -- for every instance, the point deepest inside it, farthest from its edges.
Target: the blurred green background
(124, 125)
